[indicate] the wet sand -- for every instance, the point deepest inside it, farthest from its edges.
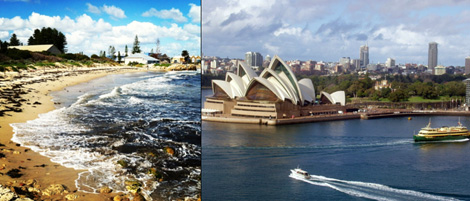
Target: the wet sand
(29, 165)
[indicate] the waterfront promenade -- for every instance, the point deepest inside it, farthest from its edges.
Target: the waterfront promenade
(370, 114)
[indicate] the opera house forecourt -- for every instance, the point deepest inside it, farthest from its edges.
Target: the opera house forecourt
(273, 97)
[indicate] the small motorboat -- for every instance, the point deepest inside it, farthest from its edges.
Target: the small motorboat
(300, 173)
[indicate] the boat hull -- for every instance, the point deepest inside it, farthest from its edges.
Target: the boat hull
(421, 138)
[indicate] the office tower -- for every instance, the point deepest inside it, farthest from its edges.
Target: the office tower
(254, 59)
(390, 63)
(345, 62)
(467, 93)
(432, 56)
(467, 65)
(364, 55)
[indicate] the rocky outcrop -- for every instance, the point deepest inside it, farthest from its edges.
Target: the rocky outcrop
(7, 195)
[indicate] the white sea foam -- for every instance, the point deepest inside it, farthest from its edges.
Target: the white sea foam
(68, 137)
(115, 92)
(369, 190)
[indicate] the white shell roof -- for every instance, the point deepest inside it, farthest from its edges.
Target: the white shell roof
(282, 83)
(336, 97)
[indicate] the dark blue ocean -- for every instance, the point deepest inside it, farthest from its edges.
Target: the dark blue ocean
(118, 129)
(350, 160)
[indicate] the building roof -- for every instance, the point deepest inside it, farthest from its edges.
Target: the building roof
(34, 48)
(141, 55)
(335, 97)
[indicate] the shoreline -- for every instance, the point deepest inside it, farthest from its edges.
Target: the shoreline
(35, 170)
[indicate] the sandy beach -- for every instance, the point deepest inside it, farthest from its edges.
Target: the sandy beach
(27, 172)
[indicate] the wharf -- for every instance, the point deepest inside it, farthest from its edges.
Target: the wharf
(385, 114)
(333, 117)
(296, 120)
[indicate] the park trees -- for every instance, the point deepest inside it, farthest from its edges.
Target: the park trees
(49, 36)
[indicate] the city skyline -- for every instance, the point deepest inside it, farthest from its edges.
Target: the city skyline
(329, 30)
(93, 26)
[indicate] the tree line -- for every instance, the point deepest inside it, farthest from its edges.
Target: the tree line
(400, 88)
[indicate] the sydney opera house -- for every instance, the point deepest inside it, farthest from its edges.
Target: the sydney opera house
(274, 94)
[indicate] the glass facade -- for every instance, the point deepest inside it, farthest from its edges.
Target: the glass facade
(219, 92)
(281, 68)
(260, 92)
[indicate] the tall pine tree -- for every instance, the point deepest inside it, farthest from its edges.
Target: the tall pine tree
(125, 51)
(14, 41)
(136, 47)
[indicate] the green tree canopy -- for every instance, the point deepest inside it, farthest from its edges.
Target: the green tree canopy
(185, 54)
(48, 36)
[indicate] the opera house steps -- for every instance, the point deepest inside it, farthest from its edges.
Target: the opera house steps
(255, 110)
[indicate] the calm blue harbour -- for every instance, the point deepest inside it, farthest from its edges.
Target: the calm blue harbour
(118, 128)
(351, 160)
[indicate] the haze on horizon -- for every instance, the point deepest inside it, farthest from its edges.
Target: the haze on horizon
(330, 29)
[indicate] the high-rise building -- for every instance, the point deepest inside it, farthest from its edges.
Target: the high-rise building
(467, 93)
(364, 55)
(439, 70)
(268, 58)
(345, 62)
(390, 63)
(467, 65)
(432, 56)
(356, 64)
(254, 59)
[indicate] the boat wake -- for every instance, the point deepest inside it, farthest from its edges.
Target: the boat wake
(323, 146)
(443, 141)
(369, 190)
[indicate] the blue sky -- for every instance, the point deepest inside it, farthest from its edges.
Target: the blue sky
(92, 26)
(326, 30)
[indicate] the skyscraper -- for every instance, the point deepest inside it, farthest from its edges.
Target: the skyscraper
(432, 56)
(390, 63)
(364, 55)
(254, 59)
(467, 65)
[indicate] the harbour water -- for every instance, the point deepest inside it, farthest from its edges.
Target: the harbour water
(350, 160)
(123, 128)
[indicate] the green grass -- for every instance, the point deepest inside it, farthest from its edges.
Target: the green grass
(166, 65)
(45, 63)
(416, 99)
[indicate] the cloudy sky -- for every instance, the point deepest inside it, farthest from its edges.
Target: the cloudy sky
(330, 29)
(92, 26)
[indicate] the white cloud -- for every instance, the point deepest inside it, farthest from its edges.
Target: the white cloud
(114, 11)
(93, 9)
(330, 29)
(173, 13)
(192, 28)
(288, 31)
(8, 24)
(88, 35)
(195, 13)
(4, 35)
